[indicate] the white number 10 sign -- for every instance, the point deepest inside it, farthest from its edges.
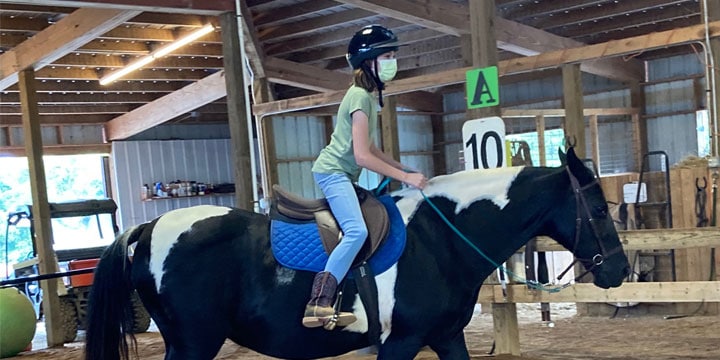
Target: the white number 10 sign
(484, 143)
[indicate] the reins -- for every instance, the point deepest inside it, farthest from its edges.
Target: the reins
(530, 283)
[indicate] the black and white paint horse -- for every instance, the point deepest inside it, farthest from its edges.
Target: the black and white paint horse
(206, 273)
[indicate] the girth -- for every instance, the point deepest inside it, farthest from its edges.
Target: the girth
(288, 206)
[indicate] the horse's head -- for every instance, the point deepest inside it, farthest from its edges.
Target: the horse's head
(591, 236)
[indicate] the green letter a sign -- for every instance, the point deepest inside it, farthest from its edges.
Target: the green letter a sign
(482, 87)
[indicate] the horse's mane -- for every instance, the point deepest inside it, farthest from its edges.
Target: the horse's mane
(466, 187)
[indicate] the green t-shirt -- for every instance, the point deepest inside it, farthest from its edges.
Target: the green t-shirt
(338, 156)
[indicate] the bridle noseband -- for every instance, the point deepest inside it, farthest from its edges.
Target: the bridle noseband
(582, 205)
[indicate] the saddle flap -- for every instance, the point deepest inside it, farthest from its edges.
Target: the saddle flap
(376, 220)
(300, 209)
(296, 207)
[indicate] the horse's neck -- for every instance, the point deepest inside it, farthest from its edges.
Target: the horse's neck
(497, 210)
(503, 209)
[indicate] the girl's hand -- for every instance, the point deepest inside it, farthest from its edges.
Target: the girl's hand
(416, 180)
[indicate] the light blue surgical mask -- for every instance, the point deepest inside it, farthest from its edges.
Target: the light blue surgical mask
(388, 69)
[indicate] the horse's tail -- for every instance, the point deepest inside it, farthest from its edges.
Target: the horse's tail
(109, 317)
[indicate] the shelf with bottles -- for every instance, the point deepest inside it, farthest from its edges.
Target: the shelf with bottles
(154, 198)
(183, 190)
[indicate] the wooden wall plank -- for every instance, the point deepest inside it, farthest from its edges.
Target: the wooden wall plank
(689, 291)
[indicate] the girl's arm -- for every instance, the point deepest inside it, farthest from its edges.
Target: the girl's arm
(366, 157)
(385, 157)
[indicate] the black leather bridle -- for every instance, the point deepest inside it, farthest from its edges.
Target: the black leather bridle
(582, 206)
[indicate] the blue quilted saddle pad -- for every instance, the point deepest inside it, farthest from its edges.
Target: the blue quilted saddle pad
(298, 246)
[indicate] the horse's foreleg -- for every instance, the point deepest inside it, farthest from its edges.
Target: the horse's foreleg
(453, 349)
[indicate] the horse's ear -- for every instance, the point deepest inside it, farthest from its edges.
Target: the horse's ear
(571, 158)
(577, 166)
(562, 156)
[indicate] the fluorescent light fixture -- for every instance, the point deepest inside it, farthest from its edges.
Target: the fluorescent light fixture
(167, 49)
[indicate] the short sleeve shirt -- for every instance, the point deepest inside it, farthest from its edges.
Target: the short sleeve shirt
(338, 156)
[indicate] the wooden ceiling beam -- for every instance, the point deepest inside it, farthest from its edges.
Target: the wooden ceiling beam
(125, 33)
(116, 61)
(421, 101)
(304, 76)
(64, 149)
(70, 110)
(34, 9)
(617, 10)
(289, 12)
(554, 8)
(629, 22)
(74, 73)
(542, 61)
(156, 35)
(203, 92)
(87, 86)
(312, 78)
(511, 36)
(331, 38)
(204, 7)
(640, 30)
(534, 42)
(68, 99)
(129, 48)
(254, 51)
(21, 24)
(163, 19)
(418, 42)
(443, 16)
(71, 119)
(313, 25)
(57, 40)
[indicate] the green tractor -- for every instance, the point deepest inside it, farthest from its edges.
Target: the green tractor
(76, 248)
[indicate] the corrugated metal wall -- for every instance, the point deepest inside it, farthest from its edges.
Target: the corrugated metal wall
(299, 140)
(670, 99)
(143, 162)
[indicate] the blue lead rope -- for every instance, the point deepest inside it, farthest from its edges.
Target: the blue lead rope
(530, 283)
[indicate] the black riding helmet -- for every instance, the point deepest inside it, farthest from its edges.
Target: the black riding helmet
(370, 42)
(367, 44)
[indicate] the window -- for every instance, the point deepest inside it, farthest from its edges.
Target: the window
(554, 139)
(69, 177)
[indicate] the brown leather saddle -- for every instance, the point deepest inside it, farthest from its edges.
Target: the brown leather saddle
(299, 209)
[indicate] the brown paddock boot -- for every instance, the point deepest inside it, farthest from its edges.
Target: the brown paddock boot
(319, 310)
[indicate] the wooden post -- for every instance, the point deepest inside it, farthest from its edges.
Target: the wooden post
(506, 327)
(266, 138)
(713, 13)
(594, 141)
(439, 162)
(237, 111)
(484, 54)
(573, 103)
(639, 124)
(389, 126)
(41, 208)
(389, 129)
(540, 128)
